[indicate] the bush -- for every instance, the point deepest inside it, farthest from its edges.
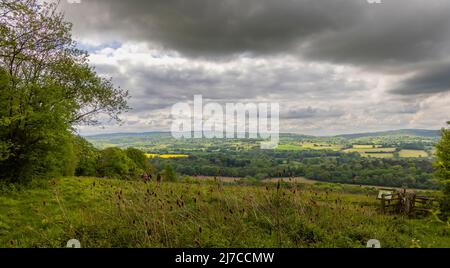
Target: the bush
(87, 158)
(169, 174)
(115, 163)
(443, 170)
(140, 160)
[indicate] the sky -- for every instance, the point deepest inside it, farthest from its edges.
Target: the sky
(334, 66)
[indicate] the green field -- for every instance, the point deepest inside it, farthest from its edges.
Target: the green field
(371, 150)
(118, 213)
(413, 153)
(358, 146)
(377, 155)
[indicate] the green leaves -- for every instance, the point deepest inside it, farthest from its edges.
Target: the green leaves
(115, 163)
(46, 89)
(442, 173)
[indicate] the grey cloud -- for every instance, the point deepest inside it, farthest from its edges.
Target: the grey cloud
(156, 88)
(389, 34)
(201, 27)
(392, 39)
(309, 112)
(435, 79)
(350, 31)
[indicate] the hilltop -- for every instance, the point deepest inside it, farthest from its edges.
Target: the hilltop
(402, 132)
(120, 213)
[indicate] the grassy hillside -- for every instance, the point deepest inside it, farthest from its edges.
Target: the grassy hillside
(117, 213)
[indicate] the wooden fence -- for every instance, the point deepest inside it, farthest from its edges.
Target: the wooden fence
(404, 202)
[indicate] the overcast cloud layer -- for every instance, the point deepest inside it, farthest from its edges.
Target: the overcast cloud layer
(335, 66)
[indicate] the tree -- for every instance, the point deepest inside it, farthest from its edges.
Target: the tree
(4, 144)
(140, 160)
(443, 169)
(114, 163)
(169, 174)
(47, 89)
(87, 156)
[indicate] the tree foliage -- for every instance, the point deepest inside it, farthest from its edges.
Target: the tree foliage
(117, 163)
(88, 157)
(169, 174)
(140, 160)
(47, 88)
(443, 168)
(321, 165)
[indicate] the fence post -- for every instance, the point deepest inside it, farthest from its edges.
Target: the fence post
(382, 203)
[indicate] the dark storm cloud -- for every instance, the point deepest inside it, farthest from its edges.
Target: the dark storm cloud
(200, 27)
(435, 79)
(388, 35)
(351, 31)
(392, 37)
(313, 53)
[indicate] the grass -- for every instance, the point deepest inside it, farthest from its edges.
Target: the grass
(289, 147)
(413, 153)
(117, 213)
(358, 146)
(372, 150)
(378, 155)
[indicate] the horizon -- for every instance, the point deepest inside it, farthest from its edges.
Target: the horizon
(281, 133)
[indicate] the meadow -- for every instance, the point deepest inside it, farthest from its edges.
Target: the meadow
(413, 153)
(119, 213)
(375, 151)
(364, 150)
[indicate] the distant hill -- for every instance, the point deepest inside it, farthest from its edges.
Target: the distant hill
(126, 134)
(402, 132)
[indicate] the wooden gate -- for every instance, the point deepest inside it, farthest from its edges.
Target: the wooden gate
(404, 202)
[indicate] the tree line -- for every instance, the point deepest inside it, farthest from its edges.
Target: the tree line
(328, 166)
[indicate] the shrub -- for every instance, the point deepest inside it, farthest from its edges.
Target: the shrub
(115, 163)
(443, 170)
